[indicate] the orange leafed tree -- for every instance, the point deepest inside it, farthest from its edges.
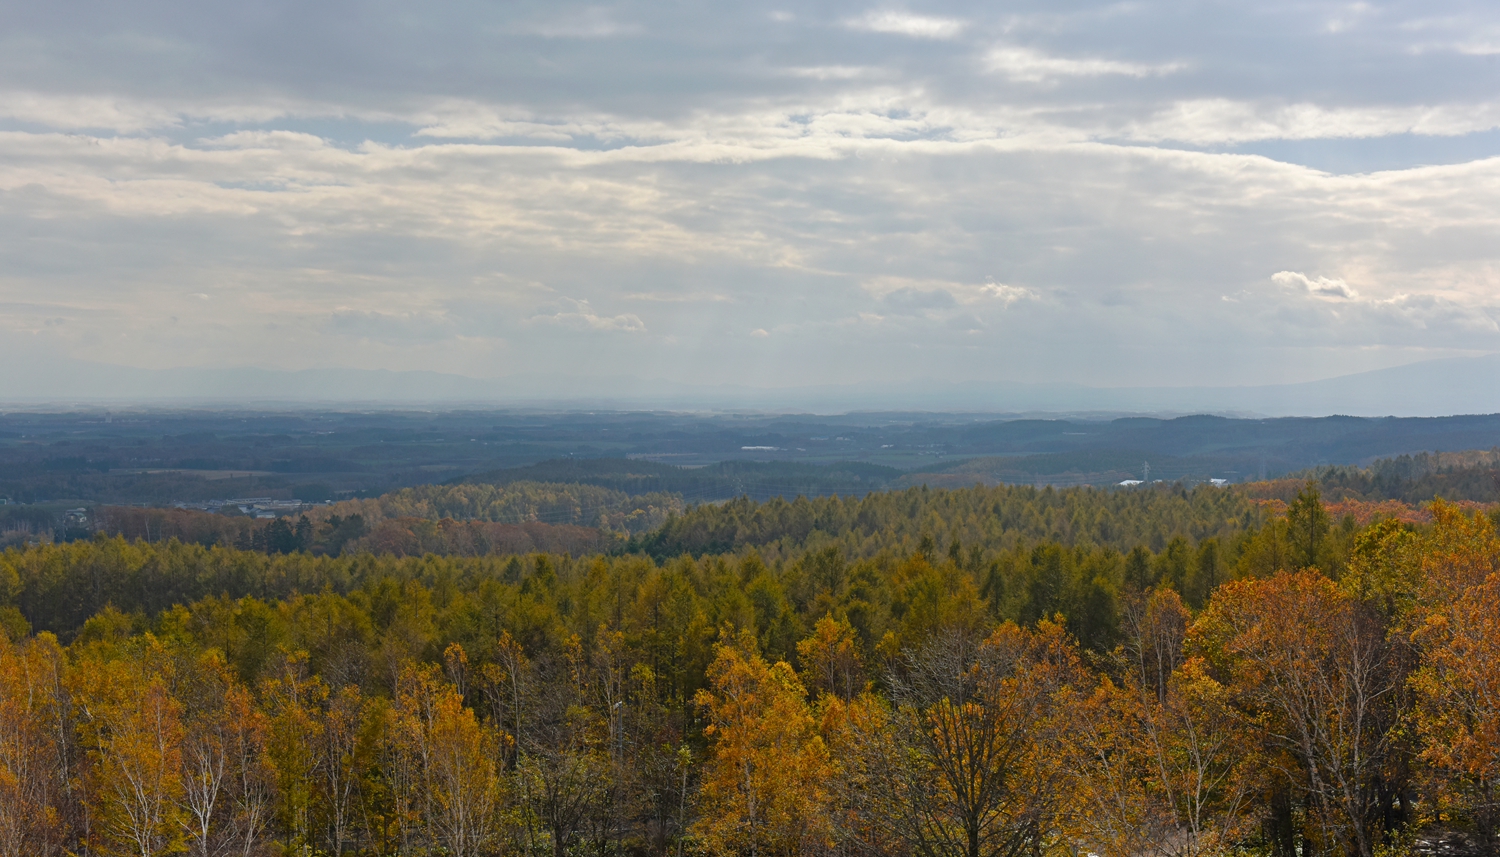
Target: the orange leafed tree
(251, 777)
(226, 777)
(1159, 751)
(342, 719)
(207, 774)
(1459, 716)
(1313, 669)
(764, 786)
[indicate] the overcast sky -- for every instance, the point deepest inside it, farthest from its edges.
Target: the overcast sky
(1134, 193)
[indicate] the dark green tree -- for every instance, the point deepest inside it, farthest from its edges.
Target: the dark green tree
(1307, 526)
(280, 537)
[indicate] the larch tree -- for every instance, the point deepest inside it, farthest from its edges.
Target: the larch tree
(830, 657)
(292, 699)
(1307, 528)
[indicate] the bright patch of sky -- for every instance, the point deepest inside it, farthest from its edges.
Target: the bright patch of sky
(1108, 193)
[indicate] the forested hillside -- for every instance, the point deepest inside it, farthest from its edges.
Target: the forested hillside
(723, 480)
(994, 671)
(1026, 557)
(460, 520)
(1470, 475)
(620, 506)
(984, 519)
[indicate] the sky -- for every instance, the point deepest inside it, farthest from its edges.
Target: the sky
(753, 193)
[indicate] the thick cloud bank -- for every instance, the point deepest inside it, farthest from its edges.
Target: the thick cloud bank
(1141, 194)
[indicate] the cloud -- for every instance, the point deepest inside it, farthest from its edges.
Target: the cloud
(833, 72)
(909, 301)
(909, 295)
(281, 141)
(1460, 34)
(678, 297)
(941, 307)
(1320, 287)
(417, 192)
(1218, 121)
(582, 317)
(1008, 294)
(592, 22)
(908, 24)
(133, 114)
(1402, 316)
(479, 121)
(85, 111)
(1026, 64)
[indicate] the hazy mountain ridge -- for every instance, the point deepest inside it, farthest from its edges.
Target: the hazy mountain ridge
(1428, 388)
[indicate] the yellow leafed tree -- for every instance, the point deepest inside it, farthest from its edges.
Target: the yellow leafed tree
(1159, 753)
(293, 739)
(31, 781)
(133, 728)
(831, 657)
(448, 763)
(764, 787)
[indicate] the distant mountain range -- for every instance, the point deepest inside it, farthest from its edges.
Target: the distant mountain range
(1429, 388)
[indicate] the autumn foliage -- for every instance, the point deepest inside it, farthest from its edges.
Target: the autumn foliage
(1315, 687)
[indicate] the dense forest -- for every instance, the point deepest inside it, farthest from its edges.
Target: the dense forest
(723, 480)
(472, 519)
(1469, 475)
(588, 505)
(992, 671)
(984, 518)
